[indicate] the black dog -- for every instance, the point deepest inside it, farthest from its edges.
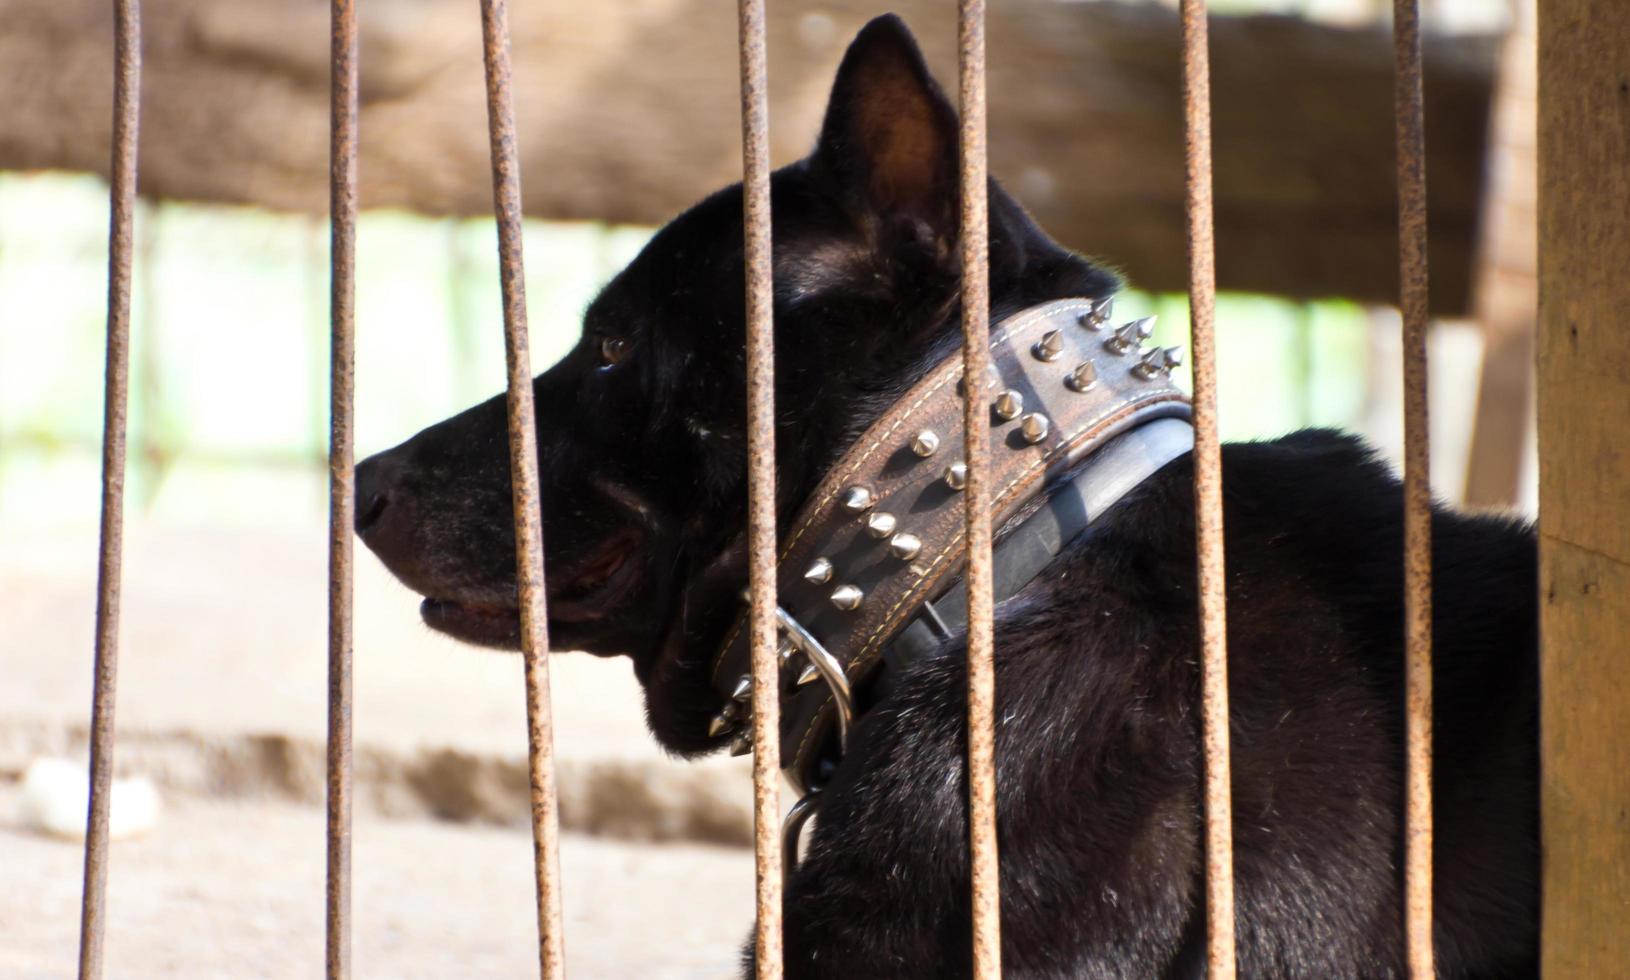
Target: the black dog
(642, 445)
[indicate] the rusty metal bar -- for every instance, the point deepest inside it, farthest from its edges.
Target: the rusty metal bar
(1411, 128)
(755, 183)
(342, 207)
(986, 899)
(523, 466)
(1208, 500)
(121, 236)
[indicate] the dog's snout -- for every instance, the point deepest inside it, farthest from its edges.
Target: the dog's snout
(376, 486)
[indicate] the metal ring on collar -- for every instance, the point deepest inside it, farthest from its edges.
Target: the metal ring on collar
(831, 671)
(792, 827)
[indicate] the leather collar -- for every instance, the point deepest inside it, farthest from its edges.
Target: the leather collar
(866, 570)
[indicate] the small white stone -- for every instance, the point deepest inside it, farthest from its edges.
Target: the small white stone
(56, 796)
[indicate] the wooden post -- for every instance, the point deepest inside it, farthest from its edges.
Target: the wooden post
(1507, 277)
(1584, 445)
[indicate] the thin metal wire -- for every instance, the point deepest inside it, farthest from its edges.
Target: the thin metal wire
(122, 204)
(755, 163)
(523, 463)
(342, 205)
(1208, 501)
(975, 228)
(1411, 128)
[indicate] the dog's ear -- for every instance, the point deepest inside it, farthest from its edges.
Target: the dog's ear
(889, 142)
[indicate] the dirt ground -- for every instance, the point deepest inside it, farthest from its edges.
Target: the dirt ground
(236, 890)
(222, 690)
(221, 705)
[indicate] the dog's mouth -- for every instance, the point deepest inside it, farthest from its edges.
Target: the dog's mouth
(482, 623)
(589, 592)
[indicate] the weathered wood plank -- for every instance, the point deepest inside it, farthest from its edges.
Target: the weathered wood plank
(1506, 297)
(627, 113)
(1584, 418)
(1586, 766)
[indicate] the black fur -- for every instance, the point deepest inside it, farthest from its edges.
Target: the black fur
(641, 441)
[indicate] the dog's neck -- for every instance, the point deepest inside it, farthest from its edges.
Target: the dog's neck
(879, 541)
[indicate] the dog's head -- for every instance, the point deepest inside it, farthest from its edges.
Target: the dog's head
(641, 427)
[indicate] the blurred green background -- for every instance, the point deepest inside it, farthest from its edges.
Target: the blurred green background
(228, 408)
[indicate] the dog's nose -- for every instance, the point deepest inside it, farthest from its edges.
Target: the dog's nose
(375, 482)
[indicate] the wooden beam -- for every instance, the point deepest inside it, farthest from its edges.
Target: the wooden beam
(1506, 301)
(1584, 445)
(627, 113)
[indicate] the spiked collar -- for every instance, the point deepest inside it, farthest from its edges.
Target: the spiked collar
(1080, 414)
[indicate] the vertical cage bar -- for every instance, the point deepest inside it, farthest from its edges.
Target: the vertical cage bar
(523, 465)
(1411, 130)
(987, 935)
(121, 237)
(755, 163)
(342, 205)
(1208, 499)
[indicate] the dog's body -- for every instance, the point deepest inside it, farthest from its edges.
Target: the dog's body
(642, 445)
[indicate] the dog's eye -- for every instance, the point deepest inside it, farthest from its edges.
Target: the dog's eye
(612, 351)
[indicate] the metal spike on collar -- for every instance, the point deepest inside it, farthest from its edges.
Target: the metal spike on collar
(809, 675)
(956, 475)
(1129, 336)
(1095, 318)
(1158, 362)
(1049, 346)
(819, 572)
(1148, 367)
(1008, 405)
(925, 443)
(1034, 427)
(742, 743)
(858, 499)
(847, 597)
(1083, 377)
(725, 720)
(743, 689)
(880, 524)
(905, 545)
